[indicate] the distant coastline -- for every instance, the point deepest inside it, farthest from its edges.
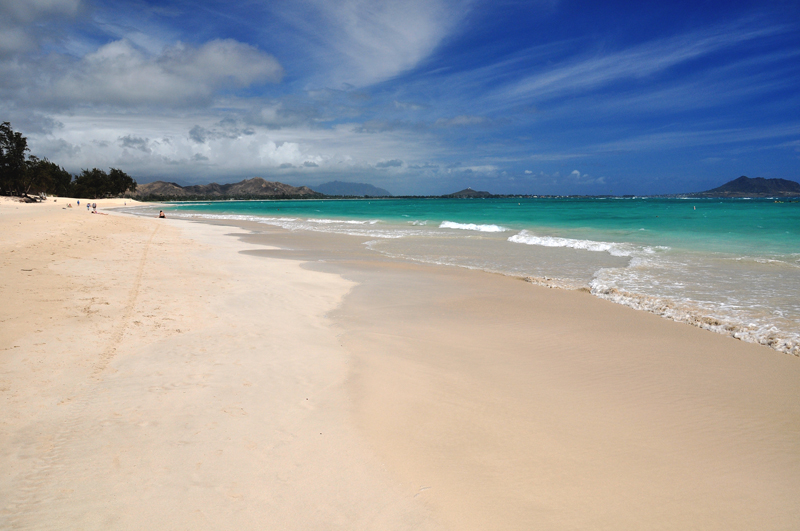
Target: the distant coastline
(260, 189)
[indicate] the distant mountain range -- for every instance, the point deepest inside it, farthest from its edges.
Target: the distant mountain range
(339, 188)
(248, 189)
(755, 187)
(258, 188)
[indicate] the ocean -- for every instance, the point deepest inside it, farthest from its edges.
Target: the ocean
(727, 265)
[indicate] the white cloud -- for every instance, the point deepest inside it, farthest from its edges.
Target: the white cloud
(361, 42)
(180, 148)
(120, 74)
(19, 31)
(27, 11)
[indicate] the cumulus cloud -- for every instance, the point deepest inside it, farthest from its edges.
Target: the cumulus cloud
(133, 142)
(198, 134)
(27, 11)
(118, 73)
(20, 22)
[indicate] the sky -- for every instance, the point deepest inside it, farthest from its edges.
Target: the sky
(415, 96)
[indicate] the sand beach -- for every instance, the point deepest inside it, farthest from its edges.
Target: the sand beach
(167, 374)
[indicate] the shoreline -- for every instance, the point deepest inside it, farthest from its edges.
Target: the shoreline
(439, 398)
(774, 330)
(512, 405)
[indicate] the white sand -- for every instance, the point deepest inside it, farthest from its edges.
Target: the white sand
(154, 378)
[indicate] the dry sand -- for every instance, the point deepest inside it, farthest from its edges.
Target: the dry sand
(154, 376)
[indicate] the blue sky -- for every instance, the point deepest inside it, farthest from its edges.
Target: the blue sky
(418, 97)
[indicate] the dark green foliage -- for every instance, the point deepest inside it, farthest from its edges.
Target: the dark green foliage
(121, 182)
(21, 176)
(48, 177)
(94, 183)
(13, 149)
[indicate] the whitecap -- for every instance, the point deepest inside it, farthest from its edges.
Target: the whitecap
(471, 226)
(614, 249)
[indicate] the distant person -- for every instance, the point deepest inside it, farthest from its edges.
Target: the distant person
(79, 202)
(94, 207)
(88, 207)
(161, 214)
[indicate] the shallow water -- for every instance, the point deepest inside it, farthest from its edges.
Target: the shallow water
(732, 266)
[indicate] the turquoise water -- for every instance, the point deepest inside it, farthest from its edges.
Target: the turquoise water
(732, 266)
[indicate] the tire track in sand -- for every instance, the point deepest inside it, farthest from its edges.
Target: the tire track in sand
(33, 503)
(116, 336)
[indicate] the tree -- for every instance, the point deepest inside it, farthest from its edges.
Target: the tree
(94, 183)
(13, 149)
(90, 184)
(45, 176)
(121, 182)
(20, 176)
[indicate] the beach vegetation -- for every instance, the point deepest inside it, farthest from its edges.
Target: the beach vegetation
(13, 152)
(41, 175)
(21, 174)
(95, 183)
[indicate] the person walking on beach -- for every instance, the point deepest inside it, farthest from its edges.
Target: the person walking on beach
(94, 207)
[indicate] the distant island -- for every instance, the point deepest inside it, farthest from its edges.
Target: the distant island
(345, 189)
(752, 187)
(737, 188)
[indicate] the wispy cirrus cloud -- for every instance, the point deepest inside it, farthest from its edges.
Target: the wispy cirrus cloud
(777, 135)
(656, 57)
(363, 42)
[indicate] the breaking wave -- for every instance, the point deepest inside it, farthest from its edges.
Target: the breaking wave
(614, 249)
(471, 226)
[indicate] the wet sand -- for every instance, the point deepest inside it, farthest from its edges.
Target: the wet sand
(165, 374)
(506, 405)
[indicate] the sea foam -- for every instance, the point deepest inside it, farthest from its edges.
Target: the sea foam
(471, 226)
(614, 249)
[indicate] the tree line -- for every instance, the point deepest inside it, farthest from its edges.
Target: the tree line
(22, 175)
